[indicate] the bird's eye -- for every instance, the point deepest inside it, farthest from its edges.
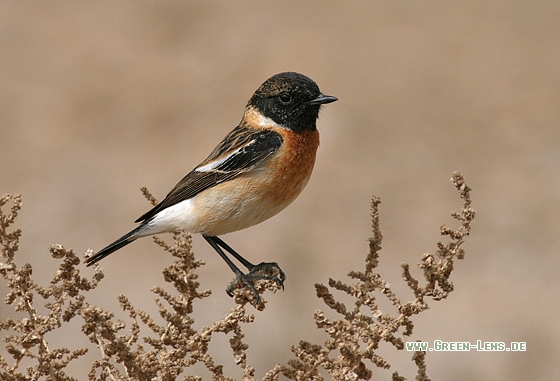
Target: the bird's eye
(285, 98)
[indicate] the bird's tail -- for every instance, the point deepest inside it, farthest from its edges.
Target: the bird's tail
(119, 243)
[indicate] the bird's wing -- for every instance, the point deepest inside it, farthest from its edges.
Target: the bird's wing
(241, 150)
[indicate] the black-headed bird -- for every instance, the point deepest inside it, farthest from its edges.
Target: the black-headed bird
(256, 171)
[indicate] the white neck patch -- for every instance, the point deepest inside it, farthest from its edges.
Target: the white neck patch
(256, 118)
(265, 121)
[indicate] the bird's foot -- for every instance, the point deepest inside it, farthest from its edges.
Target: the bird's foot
(268, 271)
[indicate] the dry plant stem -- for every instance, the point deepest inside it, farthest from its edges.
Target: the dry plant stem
(20, 283)
(25, 337)
(175, 345)
(105, 359)
(356, 336)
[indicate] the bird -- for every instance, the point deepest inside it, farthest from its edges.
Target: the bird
(256, 171)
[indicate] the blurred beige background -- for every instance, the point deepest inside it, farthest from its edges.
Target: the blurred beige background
(100, 98)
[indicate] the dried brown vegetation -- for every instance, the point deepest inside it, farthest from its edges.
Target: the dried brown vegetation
(173, 345)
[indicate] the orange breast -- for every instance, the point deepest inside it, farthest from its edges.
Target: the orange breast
(291, 168)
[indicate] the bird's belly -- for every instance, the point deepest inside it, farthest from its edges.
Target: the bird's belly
(223, 209)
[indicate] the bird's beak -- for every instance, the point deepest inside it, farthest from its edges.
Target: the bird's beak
(322, 99)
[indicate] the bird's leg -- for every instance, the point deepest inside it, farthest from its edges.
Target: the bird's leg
(237, 256)
(262, 271)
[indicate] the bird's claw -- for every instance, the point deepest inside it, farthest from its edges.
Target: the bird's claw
(262, 271)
